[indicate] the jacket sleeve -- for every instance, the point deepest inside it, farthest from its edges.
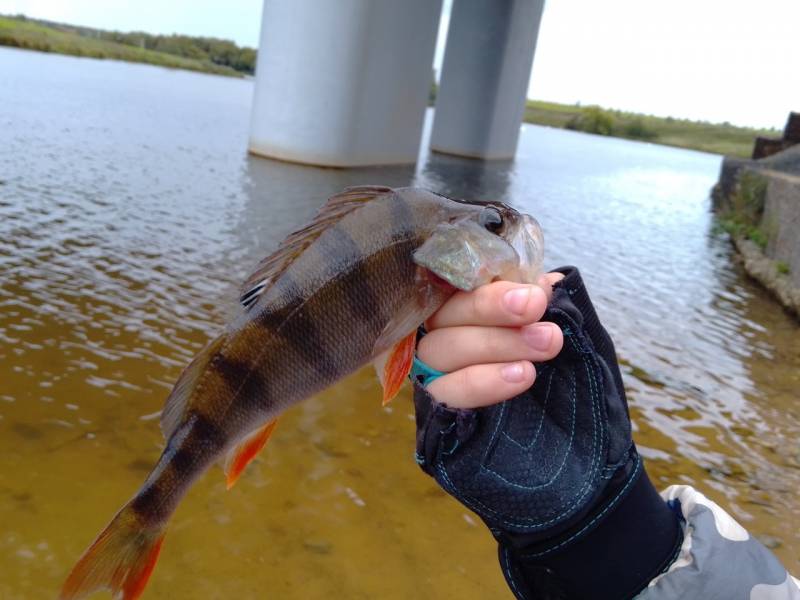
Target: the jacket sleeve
(718, 559)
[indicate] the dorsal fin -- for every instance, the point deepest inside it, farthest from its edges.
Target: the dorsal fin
(176, 404)
(269, 269)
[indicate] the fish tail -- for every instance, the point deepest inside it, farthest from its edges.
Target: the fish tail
(121, 559)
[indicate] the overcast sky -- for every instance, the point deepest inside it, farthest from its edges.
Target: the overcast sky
(718, 60)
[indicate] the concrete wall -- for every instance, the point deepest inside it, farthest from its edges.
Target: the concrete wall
(781, 221)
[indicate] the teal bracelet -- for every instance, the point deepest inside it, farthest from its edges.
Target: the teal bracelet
(423, 373)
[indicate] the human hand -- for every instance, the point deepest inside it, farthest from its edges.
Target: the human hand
(485, 341)
(552, 470)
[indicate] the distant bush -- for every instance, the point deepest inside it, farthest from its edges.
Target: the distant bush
(593, 119)
(219, 52)
(637, 130)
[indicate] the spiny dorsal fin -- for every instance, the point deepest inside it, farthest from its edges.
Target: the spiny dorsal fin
(177, 402)
(295, 243)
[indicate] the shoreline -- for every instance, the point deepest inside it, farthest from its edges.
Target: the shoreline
(758, 206)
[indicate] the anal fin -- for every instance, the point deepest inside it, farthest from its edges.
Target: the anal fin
(240, 456)
(394, 366)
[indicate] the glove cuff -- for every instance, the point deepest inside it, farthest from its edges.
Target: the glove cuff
(612, 555)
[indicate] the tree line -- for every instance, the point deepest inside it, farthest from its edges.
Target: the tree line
(220, 52)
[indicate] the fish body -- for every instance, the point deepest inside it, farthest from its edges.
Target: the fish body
(350, 288)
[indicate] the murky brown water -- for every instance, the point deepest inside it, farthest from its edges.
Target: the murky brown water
(129, 212)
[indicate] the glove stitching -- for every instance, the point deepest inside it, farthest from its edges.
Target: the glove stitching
(550, 481)
(477, 505)
(506, 564)
(490, 445)
(584, 490)
(447, 429)
(599, 516)
(453, 449)
(529, 445)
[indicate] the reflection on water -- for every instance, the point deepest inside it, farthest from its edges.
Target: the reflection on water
(129, 213)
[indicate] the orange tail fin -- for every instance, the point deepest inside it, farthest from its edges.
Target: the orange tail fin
(246, 451)
(121, 559)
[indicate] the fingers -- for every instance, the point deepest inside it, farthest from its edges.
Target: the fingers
(453, 348)
(498, 304)
(482, 385)
(548, 280)
(486, 341)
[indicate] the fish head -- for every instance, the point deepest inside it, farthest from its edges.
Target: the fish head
(482, 242)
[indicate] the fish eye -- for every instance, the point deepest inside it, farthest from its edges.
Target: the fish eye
(491, 219)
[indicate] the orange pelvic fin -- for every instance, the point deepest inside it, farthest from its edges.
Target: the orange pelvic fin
(241, 455)
(394, 366)
(121, 559)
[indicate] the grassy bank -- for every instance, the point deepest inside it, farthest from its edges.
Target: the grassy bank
(30, 35)
(720, 138)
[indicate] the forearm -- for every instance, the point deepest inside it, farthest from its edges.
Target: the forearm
(718, 559)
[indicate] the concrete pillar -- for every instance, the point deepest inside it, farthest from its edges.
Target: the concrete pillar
(343, 82)
(484, 82)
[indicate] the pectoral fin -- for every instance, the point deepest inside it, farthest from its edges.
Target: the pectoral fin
(394, 365)
(240, 456)
(394, 348)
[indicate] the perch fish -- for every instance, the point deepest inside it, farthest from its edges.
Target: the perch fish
(350, 288)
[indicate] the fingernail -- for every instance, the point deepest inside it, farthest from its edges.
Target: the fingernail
(513, 373)
(516, 300)
(538, 336)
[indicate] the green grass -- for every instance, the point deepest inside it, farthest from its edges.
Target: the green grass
(33, 36)
(737, 228)
(718, 138)
(743, 218)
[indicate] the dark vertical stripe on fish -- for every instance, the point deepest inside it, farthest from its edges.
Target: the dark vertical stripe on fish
(402, 219)
(183, 456)
(148, 501)
(241, 378)
(362, 301)
(205, 433)
(293, 324)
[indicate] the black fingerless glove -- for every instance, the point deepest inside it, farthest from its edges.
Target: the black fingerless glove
(554, 472)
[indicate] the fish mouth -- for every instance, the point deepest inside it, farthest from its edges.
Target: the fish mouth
(528, 242)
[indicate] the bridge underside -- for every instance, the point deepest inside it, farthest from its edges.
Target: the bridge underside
(346, 83)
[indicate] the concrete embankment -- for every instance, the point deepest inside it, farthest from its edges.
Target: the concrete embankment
(758, 203)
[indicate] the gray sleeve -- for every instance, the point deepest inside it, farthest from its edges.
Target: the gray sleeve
(718, 560)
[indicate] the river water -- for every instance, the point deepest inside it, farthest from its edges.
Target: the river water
(129, 213)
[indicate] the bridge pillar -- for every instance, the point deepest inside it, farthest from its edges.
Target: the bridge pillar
(484, 81)
(345, 82)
